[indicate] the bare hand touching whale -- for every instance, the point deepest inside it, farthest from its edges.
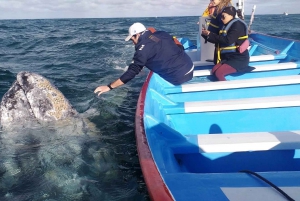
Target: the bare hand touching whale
(102, 89)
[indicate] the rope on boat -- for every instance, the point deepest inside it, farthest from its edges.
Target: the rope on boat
(270, 183)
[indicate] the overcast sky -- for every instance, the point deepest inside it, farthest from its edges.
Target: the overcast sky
(39, 9)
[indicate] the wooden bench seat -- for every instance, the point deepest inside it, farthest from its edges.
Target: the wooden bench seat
(234, 104)
(267, 57)
(258, 68)
(238, 142)
(234, 84)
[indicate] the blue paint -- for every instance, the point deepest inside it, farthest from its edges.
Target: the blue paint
(257, 120)
(261, 161)
(172, 134)
(297, 154)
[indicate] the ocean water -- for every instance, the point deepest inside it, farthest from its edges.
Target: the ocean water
(77, 55)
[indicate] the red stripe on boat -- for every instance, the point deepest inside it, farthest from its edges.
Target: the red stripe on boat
(155, 185)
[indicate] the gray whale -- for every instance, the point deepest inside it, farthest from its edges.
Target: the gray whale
(46, 142)
(33, 98)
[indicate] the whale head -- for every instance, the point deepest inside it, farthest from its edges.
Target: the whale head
(33, 98)
(45, 143)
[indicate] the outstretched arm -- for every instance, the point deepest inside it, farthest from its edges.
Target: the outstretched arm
(134, 68)
(102, 89)
(132, 71)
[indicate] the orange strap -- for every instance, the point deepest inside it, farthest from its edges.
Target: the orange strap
(152, 29)
(176, 41)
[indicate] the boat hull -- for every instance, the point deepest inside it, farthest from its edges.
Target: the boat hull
(195, 140)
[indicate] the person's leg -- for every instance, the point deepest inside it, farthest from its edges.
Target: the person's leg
(213, 70)
(223, 70)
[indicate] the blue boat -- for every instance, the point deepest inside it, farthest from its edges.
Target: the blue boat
(227, 140)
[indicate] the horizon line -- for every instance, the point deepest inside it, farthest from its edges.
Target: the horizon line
(56, 18)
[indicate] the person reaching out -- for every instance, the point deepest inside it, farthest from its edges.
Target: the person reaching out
(158, 52)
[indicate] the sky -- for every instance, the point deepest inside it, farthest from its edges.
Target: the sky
(41, 9)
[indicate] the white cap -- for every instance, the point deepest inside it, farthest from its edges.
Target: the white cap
(135, 29)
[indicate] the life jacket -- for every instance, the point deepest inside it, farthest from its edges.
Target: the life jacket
(209, 10)
(213, 23)
(152, 29)
(221, 49)
(176, 41)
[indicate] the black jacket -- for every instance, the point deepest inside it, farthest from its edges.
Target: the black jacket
(158, 52)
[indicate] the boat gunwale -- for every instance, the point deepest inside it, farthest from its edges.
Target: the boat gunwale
(156, 187)
(273, 36)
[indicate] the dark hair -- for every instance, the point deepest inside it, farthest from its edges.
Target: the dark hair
(230, 11)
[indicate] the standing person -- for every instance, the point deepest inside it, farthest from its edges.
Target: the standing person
(215, 23)
(232, 44)
(158, 52)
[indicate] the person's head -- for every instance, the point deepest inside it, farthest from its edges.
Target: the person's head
(221, 4)
(228, 14)
(215, 2)
(135, 31)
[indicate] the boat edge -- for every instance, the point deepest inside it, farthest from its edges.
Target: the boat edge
(155, 185)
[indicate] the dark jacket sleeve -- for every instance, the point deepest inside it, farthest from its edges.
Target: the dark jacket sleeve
(236, 30)
(204, 36)
(131, 72)
(140, 58)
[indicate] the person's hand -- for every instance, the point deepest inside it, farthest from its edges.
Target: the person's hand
(101, 89)
(205, 32)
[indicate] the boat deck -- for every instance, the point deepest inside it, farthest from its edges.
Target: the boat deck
(203, 133)
(232, 186)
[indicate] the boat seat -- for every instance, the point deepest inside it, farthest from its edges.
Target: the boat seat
(238, 142)
(258, 68)
(233, 104)
(266, 57)
(234, 84)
